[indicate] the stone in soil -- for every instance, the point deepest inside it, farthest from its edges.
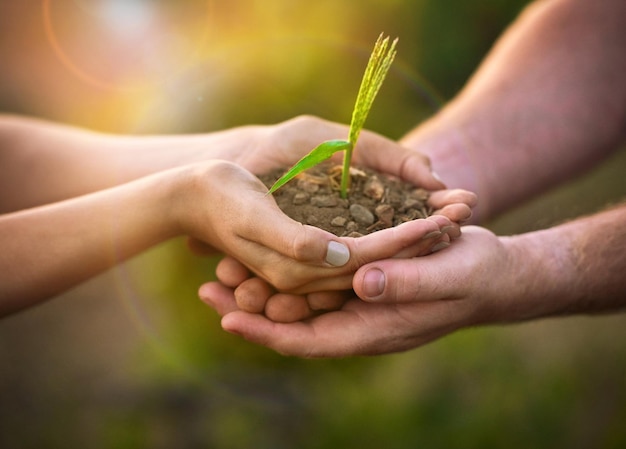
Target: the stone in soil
(375, 201)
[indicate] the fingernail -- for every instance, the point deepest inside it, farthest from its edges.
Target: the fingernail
(466, 219)
(337, 254)
(432, 234)
(447, 229)
(436, 176)
(439, 246)
(373, 283)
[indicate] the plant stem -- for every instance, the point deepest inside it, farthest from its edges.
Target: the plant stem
(345, 172)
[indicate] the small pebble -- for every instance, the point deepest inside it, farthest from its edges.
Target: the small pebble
(412, 203)
(300, 198)
(385, 214)
(374, 188)
(324, 201)
(308, 186)
(412, 214)
(420, 194)
(362, 215)
(339, 221)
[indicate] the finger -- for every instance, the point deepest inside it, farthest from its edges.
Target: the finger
(426, 247)
(406, 280)
(330, 300)
(458, 212)
(358, 329)
(446, 226)
(287, 308)
(326, 338)
(388, 242)
(252, 295)
(219, 297)
(441, 198)
(341, 282)
(231, 272)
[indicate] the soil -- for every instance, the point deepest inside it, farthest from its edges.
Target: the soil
(375, 201)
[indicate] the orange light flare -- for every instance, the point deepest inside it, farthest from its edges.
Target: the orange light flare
(124, 55)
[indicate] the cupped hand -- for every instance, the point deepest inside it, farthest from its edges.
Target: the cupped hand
(420, 300)
(264, 148)
(226, 207)
(283, 144)
(255, 295)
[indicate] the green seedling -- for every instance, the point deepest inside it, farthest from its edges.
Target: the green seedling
(375, 73)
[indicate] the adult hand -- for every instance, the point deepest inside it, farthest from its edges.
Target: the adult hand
(422, 299)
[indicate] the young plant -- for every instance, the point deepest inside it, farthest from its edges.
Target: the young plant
(375, 73)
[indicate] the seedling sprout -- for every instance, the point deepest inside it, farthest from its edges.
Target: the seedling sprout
(377, 67)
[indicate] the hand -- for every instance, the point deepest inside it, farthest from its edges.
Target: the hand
(422, 299)
(226, 207)
(284, 144)
(252, 294)
(261, 149)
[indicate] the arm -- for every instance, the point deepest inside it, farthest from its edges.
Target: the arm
(45, 162)
(548, 102)
(563, 270)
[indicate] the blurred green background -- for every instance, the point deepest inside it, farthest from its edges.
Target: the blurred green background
(132, 359)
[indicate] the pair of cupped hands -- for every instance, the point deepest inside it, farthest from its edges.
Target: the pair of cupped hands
(303, 291)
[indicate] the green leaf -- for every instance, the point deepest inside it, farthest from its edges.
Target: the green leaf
(377, 67)
(320, 153)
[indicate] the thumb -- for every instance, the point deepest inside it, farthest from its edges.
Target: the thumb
(303, 243)
(406, 280)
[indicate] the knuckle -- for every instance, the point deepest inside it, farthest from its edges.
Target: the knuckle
(304, 244)
(282, 280)
(405, 285)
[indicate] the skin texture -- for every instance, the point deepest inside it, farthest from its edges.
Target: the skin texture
(100, 199)
(538, 111)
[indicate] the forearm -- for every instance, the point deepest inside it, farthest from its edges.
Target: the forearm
(44, 162)
(49, 249)
(577, 267)
(548, 102)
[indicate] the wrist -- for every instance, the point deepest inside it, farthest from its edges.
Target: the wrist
(199, 194)
(172, 193)
(543, 276)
